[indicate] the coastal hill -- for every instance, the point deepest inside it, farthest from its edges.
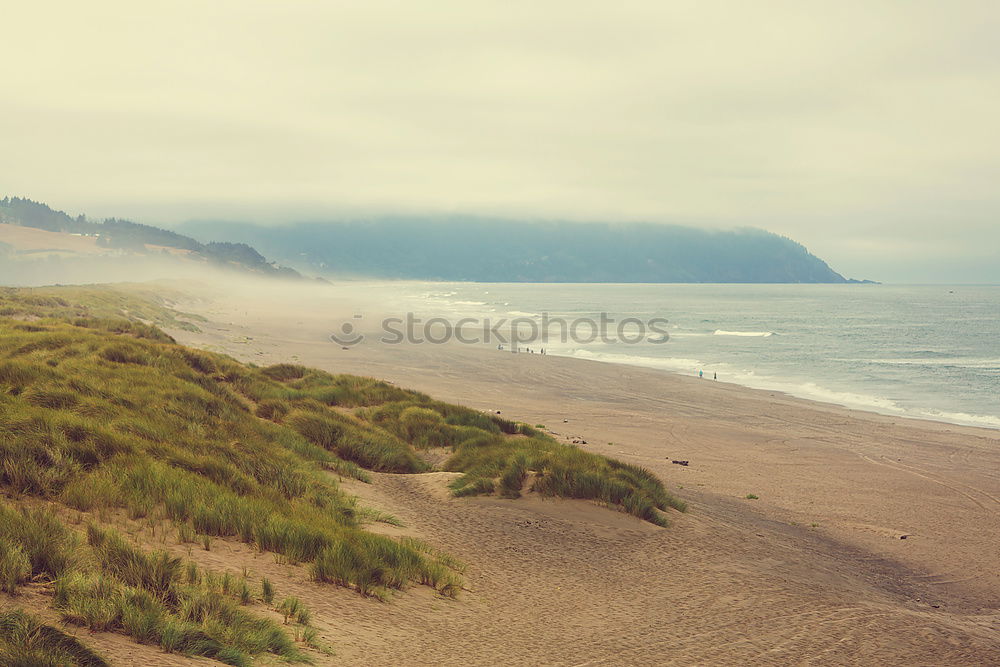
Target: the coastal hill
(31, 232)
(516, 251)
(36, 238)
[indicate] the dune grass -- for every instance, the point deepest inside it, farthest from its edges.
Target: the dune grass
(559, 470)
(494, 462)
(98, 420)
(27, 641)
(328, 389)
(109, 584)
(107, 414)
(111, 307)
(103, 415)
(142, 422)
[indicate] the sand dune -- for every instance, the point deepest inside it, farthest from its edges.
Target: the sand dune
(813, 572)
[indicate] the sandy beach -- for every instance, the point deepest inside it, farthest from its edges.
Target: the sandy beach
(871, 540)
(478, 334)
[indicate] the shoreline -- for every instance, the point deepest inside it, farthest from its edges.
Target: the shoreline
(879, 378)
(975, 422)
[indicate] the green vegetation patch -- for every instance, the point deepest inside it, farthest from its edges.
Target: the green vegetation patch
(98, 420)
(109, 584)
(25, 640)
(124, 308)
(101, 413)
(495, 462)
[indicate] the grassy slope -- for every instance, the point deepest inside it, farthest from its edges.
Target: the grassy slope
(103, 414)
(137, 303)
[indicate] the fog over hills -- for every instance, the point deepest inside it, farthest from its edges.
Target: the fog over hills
(420, 248)
(520, 251)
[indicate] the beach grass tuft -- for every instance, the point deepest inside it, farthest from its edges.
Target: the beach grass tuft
(25, 640)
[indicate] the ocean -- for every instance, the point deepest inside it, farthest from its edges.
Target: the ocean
(929, 352)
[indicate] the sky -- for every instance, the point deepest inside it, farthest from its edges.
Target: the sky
(866, 130)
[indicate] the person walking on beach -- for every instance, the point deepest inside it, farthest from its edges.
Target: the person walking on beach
(715, 376)
(701, 373)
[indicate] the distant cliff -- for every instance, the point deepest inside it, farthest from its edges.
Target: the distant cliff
(505, 251)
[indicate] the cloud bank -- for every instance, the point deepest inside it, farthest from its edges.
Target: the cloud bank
(865, 130)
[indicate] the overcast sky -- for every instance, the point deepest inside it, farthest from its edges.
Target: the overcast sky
(869, 131)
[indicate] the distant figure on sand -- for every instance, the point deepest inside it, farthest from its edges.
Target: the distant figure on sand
(715, 376)
(701, 374)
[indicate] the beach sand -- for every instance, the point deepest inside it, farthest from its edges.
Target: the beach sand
(874, 540)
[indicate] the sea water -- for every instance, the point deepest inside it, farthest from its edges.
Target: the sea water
(931, 352)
